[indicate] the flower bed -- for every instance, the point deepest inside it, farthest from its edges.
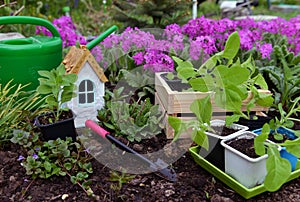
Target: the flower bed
(152, 50)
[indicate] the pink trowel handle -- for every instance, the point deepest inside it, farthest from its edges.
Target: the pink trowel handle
(96, 128)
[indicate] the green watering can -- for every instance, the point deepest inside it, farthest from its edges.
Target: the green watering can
(21, 59)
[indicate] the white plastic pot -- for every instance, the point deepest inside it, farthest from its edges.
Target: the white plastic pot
(248, 171)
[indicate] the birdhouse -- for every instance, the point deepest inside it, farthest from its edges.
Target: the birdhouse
(90, 84)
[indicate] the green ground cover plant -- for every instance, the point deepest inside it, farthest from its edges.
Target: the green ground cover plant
(55, 157)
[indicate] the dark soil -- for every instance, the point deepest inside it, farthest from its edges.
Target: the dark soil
(176, 84)
(245, 146)
(49, 118)
(254, 124)
(193, 184)
(223, 130)
(272, 138)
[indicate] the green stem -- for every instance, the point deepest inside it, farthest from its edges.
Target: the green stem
(294, 119)
(78, 183)
(23, 194)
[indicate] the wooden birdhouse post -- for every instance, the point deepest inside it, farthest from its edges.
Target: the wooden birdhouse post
(90, 84)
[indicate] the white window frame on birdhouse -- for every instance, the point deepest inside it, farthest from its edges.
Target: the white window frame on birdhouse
(85, 93)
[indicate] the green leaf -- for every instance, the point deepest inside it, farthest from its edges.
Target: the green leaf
(281, 110)
(73, 179)
(260, 81)
(44, 89)
(292, 146)
(47, 166)
(51, 100)
(61, 70)
(202, 108)
(170, 75)
(177, 125)
(184, 65)
(265, 100)
(177, 60)
(234, 75)
(229, 98)
(210, 62)
(67, 93)
(278, 170)
(186, 73)
(232, 119)
(259, 144)
(232, 46)
(259, 141)
(70, 78)
(198, 84)
(266, 129)
(68, 166)
(200, 138)
(46, 82)
(44, 74)
(297, 165)
(86, 184)
(57, 171)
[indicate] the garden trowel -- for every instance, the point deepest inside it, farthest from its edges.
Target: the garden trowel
(159, 167)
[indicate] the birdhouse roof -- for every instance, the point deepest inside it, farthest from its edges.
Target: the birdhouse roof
(77, 57)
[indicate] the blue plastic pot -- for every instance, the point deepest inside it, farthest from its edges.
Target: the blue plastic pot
(284, 153)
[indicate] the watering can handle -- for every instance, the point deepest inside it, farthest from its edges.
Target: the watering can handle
(101, 37)
(30, 20)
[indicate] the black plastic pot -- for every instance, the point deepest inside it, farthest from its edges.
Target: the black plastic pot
(254, 124)
(215, 153)
(61, 129)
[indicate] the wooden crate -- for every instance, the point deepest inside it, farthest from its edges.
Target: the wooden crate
(174, 103)
(179, 102)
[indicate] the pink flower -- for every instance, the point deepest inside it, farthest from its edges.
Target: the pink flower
(138, 58)
(265, 50)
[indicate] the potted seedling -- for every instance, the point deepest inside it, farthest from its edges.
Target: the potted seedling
(252, 168)
(280, 132)
(58, 87)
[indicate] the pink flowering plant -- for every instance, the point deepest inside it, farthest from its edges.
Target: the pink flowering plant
(195, 41)
(200, 38)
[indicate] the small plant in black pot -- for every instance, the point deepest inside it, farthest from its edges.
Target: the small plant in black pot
(59, 88)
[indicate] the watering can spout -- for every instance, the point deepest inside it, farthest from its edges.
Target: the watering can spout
(101, 37)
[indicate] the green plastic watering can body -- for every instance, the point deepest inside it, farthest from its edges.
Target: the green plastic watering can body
(21, 59)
